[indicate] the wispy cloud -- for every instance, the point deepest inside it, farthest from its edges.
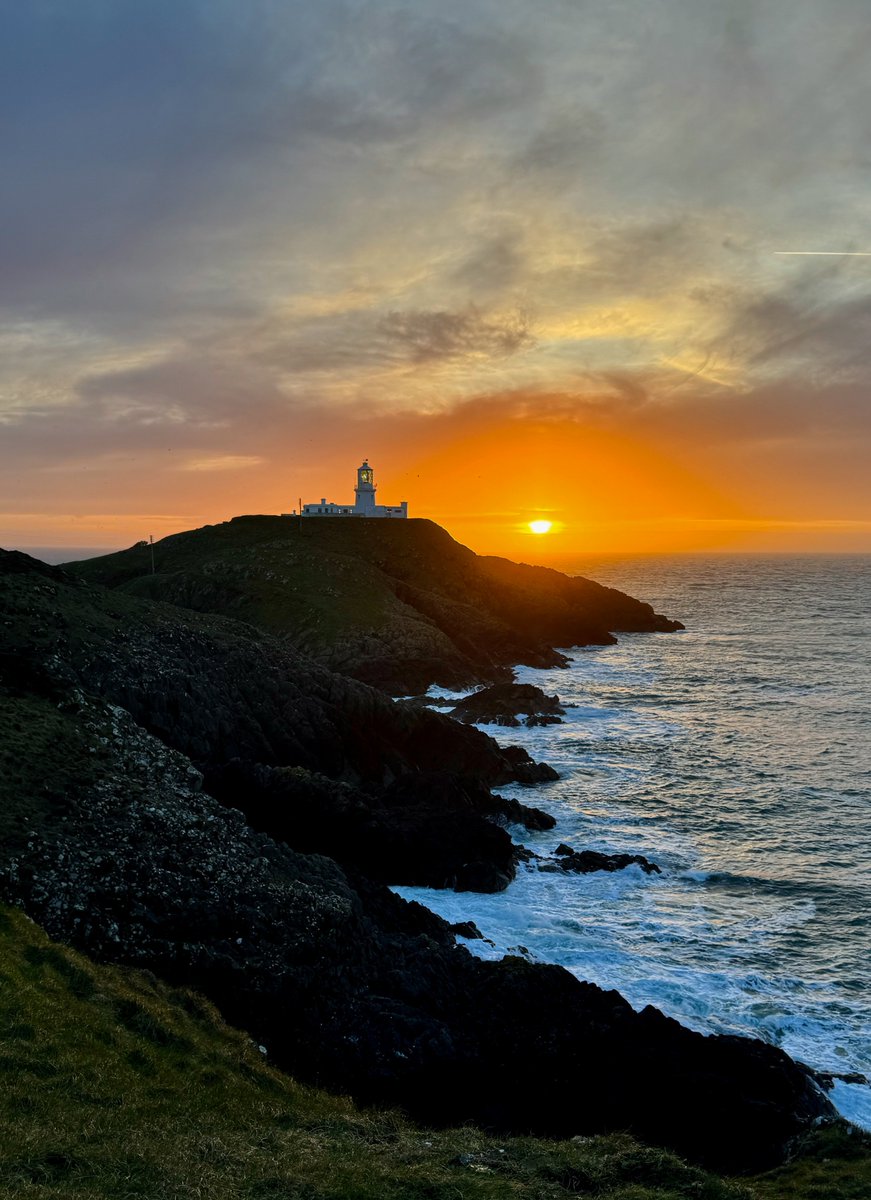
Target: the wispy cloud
(223, 462)
(428, 336)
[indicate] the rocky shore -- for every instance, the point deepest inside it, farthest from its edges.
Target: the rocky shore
(189, 792)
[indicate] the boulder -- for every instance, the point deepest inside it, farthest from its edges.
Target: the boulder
(583, 862)
(509, 704)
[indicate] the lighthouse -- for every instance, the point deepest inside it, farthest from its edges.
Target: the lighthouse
(364, 492)
(364, 501)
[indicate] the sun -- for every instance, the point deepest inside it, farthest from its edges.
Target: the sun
(541, 526)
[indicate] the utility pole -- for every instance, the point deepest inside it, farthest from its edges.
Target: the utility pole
(151, 545)
(299, 510)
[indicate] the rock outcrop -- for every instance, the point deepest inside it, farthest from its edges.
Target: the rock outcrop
(584, 862)
(506, 703)
(326, 763)
(428, 830)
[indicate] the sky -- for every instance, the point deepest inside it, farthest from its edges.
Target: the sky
(533, 260)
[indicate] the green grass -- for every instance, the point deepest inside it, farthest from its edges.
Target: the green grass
(262, 570)
(114, 1085)
(834, 1164)
(278, 587)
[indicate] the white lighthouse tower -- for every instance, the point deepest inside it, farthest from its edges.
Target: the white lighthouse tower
(364, 492)
(364, 501)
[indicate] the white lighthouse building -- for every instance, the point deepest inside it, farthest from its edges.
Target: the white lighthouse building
(364, 501)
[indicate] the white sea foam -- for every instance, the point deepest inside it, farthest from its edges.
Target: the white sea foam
(853, 1101)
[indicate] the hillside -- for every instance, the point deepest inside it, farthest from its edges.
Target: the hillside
(398, 604)
(223, 695)
(114, 1085)
(136, 736)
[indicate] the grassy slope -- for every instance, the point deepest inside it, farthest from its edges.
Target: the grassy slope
(114, 1085)
(279, 583)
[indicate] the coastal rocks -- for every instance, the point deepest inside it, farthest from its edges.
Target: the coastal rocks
(428, 830)
(379, 785)
(453, 793)
(217, 689)
(398, 836)
(348, 986)
(524, 770)
(828, 1079)
(468, 930)
(590, 1063)
(583, 862)
(504, 704)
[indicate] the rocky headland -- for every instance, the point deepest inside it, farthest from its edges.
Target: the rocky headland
(192, 787)
(397, 604)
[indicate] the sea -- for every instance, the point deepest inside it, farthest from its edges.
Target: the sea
(737, 756)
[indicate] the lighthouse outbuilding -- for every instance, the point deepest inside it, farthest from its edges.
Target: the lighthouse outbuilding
(364, 501)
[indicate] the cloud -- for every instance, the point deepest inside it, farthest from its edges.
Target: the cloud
(427, 336)
(223, 462)
(820, 320)
(495, 264)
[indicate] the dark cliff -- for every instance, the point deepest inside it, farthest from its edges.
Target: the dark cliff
(398, 604)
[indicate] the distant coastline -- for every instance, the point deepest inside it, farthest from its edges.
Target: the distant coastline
(53, 555)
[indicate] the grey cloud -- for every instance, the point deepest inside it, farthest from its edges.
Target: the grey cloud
(788, 410)
(144, 132)
(494, 265)
(630, 388)
(791, 411)
(833, 335)
(351, 342)
(819, 317)
(173, 405)
(565, 150)
(636, 253)
(208, 395)
(429, 336)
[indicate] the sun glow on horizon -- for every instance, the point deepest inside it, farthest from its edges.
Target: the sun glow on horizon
(540, 527)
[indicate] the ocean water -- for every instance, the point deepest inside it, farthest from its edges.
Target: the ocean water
(737, 756)
(62, 554)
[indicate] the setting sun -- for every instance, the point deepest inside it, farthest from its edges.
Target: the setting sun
(540, 526)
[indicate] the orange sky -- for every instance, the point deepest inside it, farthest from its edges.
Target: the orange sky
(484, 471)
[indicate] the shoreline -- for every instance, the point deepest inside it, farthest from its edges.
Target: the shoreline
(503, 919)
